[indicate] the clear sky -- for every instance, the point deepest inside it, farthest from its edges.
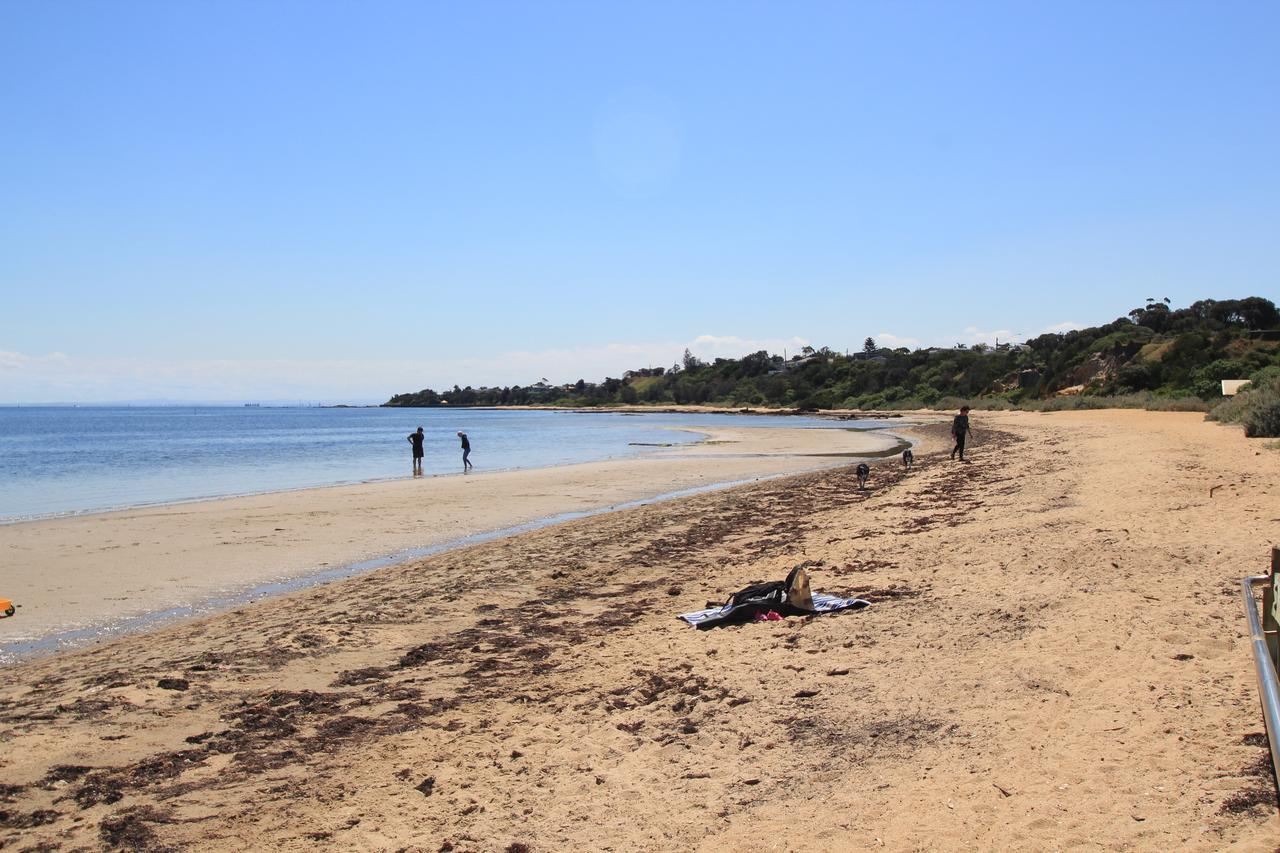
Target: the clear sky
(340, 200)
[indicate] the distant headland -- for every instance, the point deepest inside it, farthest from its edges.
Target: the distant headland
(1156, 357)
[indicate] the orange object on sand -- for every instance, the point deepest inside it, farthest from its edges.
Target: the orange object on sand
(6, 607)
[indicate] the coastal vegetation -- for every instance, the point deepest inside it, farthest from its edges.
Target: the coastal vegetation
(1155, 357)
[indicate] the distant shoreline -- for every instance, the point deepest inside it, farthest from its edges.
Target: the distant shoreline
(670, 409)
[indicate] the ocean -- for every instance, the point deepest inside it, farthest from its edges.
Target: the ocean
(62, 460)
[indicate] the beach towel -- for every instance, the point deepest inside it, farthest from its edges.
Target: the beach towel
(821, 604)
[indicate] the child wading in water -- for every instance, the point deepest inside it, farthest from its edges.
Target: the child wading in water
(466, 451)
(960, 430)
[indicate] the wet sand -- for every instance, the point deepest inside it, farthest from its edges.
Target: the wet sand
(1054, 659)
(93, 571)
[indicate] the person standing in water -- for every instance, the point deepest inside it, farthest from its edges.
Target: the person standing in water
(416, 439)
(466, 451)
(959, 431)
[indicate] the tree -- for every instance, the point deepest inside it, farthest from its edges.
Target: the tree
(691, 361)
(869, 346)
(1258, 313)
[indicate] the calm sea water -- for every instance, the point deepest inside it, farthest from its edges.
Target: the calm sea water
(64, 460)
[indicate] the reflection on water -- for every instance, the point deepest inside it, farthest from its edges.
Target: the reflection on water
(63, 459)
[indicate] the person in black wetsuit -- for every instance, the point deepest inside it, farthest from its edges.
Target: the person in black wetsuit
(416, 439)
(960, 430)
(466, 451)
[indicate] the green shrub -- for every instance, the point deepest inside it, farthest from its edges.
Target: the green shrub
(1263, 420)
(1267, 374)
(1078, 402)
(910, 404)
(946, 404)
(1223, 368)
(1257, 408)
(1231, 410)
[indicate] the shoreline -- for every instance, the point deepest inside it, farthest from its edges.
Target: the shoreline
(88, 561)
(80, 638)
(177, 502)
(1055, 658)
(690, 409)
(632, 450)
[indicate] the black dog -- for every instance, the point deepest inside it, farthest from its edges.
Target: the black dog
(863, 473)
(908, 459)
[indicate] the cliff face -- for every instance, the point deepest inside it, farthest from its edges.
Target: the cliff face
(1027, 379)
(1096, 369)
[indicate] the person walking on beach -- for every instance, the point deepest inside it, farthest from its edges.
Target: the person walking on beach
(959, 431)
(416, 439)
(466, 451)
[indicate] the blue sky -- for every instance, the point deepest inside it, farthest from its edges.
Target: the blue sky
(341, 201)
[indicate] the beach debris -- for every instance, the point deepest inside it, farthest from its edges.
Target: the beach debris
(173, 684)
(805, 694)
(128, 828)
(7, 608)
(1002, 791)
(426, 786)
(60, 774)
(28, 820)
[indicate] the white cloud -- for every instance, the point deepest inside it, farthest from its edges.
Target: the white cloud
(732, 346)
(17, 360)
(892, 341)
(57, 377)
(974, 335)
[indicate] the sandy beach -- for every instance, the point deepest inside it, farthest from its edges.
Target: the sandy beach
(1054, 659)
(86, 573)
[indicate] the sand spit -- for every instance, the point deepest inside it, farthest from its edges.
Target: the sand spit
(1055, 659)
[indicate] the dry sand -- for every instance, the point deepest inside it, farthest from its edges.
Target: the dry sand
(1055, 659)
(82, 572)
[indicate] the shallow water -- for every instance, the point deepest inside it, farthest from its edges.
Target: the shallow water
(59, 460)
